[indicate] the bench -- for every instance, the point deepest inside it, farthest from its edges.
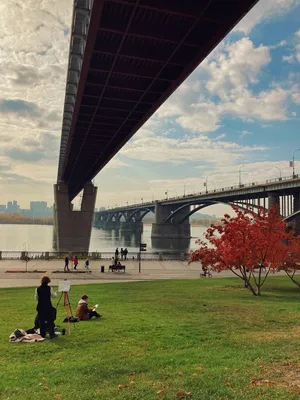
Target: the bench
(117, 268)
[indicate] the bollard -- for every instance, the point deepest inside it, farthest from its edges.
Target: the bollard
(102, 269)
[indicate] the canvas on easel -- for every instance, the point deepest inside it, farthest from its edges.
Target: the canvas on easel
(64, 286)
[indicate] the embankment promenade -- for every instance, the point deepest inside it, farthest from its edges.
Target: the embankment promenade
(150, 270)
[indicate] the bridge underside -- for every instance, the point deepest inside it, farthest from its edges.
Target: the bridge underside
(137, 53)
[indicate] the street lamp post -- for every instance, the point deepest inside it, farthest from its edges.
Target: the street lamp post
(206, 180)
(142, 200)
(279, 172)
(240, 175)
(294, 162)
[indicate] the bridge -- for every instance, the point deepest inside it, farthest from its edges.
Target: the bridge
(172, 215)
(126, 58)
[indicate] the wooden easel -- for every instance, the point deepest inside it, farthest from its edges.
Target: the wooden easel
(67, 305)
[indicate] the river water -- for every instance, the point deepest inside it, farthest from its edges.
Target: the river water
(41, 238)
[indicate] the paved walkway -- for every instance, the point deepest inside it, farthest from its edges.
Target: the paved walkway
(151, 270)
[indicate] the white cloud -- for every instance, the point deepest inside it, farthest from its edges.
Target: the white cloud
(295, 56)
(296, 97)
(288, 59)
(264, 11)
(183, 150)
(237, 67)
(228, 73)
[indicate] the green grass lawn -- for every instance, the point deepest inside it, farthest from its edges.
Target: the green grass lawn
(171, 339)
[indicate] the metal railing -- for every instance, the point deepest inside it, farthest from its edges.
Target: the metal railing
(53, 255)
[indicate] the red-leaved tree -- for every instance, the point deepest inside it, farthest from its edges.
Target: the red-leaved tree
(250, 245)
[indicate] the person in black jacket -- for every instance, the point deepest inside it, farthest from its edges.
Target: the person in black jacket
(44, 307)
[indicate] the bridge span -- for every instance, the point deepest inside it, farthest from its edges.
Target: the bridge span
(126, 58)
(172, 214)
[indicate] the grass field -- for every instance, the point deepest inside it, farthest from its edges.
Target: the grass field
(180, 339)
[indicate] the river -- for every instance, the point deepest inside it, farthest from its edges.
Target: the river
(41, 238)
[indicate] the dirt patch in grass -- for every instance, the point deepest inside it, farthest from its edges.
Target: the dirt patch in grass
(283, 375)
(275, 335)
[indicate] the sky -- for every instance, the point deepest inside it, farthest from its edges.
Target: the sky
(238, 111)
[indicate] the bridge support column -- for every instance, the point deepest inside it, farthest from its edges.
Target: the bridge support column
(173, 229)
(273, 199)
(296, 202)
(295, 222)
(73, 228)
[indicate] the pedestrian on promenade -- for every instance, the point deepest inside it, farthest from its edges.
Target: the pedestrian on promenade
(125, 252)
(122, 253)
(117, 253)
(87, 263)
(66, 268)
(44, 307)
(75, 262)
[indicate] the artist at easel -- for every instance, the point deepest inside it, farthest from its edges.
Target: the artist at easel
(45, 318)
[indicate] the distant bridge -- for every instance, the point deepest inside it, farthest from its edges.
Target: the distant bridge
(172, 214)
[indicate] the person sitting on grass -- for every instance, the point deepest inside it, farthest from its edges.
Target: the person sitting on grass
(83, 312)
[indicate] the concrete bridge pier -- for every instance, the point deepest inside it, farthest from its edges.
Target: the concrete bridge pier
(175, 228)
(273, 199)
(73, 228)
(295, 222)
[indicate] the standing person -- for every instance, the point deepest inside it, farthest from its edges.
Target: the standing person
(75, 262)
(125, 252)
(66, 268)
(87, 263)
(44, 307)
(83, 312)
(117, 253)
(122, 253)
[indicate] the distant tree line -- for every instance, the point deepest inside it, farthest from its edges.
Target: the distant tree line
(21, 219)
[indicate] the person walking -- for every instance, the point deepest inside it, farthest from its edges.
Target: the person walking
(117, 253)
(75, 262)
(122, 253)
(125, 252)
(87, 263)
(66, 268)
(44, 307)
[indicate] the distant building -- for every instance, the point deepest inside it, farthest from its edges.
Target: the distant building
(13, 207)
(39, 209)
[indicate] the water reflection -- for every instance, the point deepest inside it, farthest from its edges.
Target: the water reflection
(43, 238)
(54, 239)
(171, 244)
(131, 239)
